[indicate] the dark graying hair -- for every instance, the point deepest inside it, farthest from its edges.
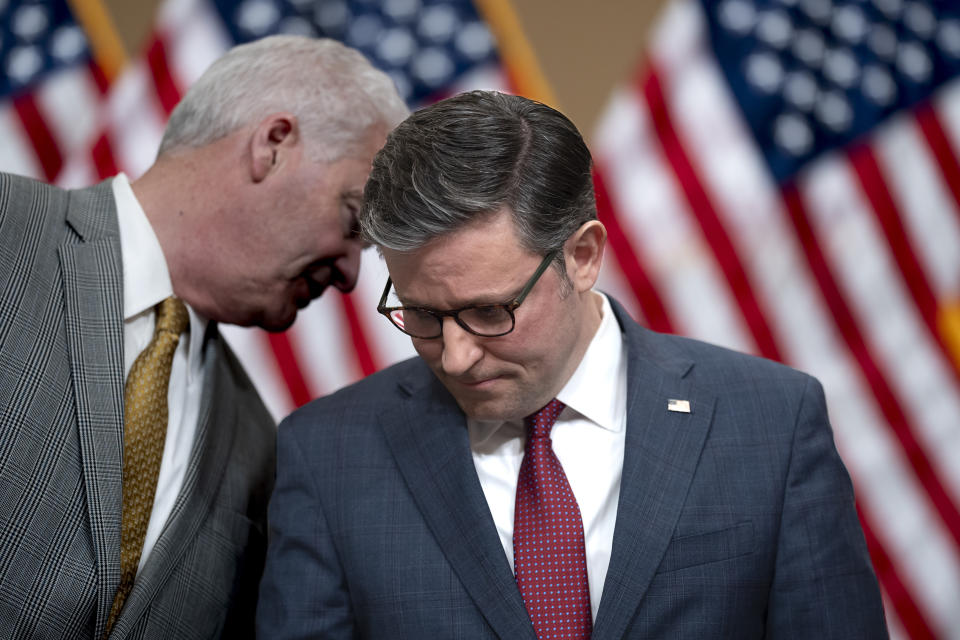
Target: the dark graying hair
(468, 156)
(334, 91)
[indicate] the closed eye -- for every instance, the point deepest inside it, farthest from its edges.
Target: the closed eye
(487, 311)
(351, 212)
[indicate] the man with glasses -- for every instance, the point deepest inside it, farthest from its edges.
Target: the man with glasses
(546, 468)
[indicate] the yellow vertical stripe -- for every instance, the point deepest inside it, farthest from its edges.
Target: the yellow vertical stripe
(515, 51)
(108, 49)
(949, 321)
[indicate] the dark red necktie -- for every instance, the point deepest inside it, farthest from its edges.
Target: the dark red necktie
(549, 558)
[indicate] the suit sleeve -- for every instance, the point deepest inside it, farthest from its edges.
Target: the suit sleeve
(824, 585)
(303, 593)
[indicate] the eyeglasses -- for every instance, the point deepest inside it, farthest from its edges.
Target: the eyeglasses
(486, 320)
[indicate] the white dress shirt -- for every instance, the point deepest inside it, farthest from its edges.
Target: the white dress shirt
(588, 439)
(146, 282)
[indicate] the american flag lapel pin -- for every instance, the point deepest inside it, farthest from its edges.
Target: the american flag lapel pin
(680, 406)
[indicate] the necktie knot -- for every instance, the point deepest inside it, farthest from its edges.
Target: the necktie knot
(172, 316)
(540, 424)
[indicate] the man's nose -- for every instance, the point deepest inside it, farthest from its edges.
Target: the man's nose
(461, 349)
(347, 266)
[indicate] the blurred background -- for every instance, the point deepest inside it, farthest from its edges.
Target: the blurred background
(584, 48)
(777, 176)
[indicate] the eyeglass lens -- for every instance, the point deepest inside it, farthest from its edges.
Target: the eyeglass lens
(487, 320)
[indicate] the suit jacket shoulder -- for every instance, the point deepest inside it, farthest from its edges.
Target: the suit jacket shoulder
(369, 397)
(715, 363)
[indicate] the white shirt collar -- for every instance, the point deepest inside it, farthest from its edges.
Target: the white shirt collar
(146, 278)
(592, 390)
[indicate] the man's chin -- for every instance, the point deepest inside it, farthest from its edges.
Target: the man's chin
(504, 404)
(278, 322)
(493, 407)
(276, 327)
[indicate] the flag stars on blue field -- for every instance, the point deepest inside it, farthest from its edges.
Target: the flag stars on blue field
(35, 39)
(812, 75)
(424, 45)
(402, 10)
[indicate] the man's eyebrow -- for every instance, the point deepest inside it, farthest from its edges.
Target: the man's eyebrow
(479, 301)
(352, 198)
(352, 194)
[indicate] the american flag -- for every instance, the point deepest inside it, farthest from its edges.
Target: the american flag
(780, 176)
(50, 89)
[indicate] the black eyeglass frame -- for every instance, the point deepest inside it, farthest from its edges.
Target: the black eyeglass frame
(509, 307)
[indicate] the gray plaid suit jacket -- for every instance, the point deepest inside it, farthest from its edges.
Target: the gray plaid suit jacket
(61, 426)
(735, 520)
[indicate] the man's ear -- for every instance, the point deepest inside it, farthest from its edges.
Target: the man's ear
(271, 140)
(584, 254)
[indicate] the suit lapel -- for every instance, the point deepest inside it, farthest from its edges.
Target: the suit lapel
(661, 454)
(213, 442)
(430, 444)
(93, 303)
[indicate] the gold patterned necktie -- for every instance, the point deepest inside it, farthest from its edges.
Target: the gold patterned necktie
(144, 432)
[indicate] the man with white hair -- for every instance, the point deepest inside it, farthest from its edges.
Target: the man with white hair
(136, 459)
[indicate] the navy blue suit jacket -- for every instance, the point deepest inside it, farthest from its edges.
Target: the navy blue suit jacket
(735, 520)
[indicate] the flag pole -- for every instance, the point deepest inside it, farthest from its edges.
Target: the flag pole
(523, 68)
(108, 50)
(949, 321)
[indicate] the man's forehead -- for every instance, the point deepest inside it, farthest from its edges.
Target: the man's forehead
(443, 277)
(456, 252)
(428, 267)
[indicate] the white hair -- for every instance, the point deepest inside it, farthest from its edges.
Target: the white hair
(333, 90)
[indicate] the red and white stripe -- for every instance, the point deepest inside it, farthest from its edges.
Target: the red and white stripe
(41, 127)
(842, 273)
